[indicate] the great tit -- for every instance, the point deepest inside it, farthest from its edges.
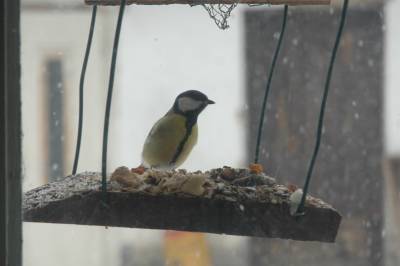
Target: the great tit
(173, 137)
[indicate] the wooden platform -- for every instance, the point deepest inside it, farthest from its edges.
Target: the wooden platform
(198, 2)
(253, 205)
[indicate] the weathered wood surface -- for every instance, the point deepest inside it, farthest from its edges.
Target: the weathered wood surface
(256, 208)
(198, 2)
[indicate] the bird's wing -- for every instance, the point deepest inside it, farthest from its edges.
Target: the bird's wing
(163, 140)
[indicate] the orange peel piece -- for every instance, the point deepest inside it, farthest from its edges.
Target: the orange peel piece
(256, 168)
(139, 170)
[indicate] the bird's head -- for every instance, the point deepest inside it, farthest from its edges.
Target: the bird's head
(191, 103)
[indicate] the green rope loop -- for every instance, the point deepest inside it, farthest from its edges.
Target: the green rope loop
(109, 99)
(267, 88)
(81, 83)
(300, 209)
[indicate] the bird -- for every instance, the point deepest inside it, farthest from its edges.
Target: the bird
(172, 137)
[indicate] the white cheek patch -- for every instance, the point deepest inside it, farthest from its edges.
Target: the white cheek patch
(188, 104)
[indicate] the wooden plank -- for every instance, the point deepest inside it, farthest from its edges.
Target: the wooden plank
(198, 2)
(237, 207)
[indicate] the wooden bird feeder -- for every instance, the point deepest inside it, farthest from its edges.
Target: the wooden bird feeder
(221, 201)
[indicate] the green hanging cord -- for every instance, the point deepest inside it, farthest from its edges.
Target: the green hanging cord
(81, 83)
(267, 88)
(109, 98)
(300, 209)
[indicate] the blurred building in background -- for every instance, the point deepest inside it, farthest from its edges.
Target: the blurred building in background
(348, 172)
(165, 50)
(358, 165)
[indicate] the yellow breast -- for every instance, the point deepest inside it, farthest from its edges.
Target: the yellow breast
(163, 141)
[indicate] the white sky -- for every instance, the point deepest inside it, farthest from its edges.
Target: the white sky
(169, 51)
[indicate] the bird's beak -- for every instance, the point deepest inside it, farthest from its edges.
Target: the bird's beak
(210, 102)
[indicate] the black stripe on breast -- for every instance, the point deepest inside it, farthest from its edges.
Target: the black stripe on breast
(190, 122)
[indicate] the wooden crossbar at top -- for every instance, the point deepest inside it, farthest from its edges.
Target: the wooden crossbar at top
(197, 2)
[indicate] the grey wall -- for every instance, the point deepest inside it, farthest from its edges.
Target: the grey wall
(348, 170)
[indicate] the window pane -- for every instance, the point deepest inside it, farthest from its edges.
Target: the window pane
(165, 50)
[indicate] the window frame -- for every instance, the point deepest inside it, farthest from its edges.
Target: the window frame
(10, 136)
